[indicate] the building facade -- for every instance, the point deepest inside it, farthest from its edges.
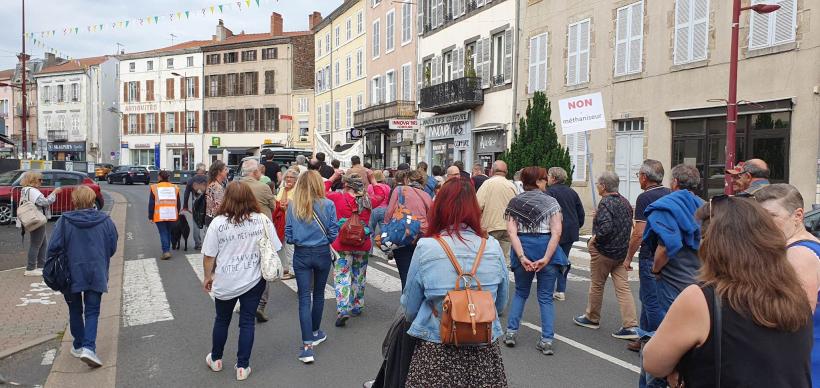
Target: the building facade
(75, 101)
(466, 79)
(662, 69)
(36, 148)
(6, 113)
(251, 83)
(161, 105)
(340, 70)
(391, 43)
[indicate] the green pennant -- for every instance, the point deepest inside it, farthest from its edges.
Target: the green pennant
(257, 3)
(156, 19)
(187, 14)
(220, 8)
(126, 23)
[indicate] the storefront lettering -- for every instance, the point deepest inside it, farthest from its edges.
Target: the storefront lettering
(485, 141)
(461, 144)
(446, 119)
(446, 130)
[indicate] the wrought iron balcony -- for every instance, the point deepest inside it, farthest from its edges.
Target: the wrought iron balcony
(57, 135)
(462, 93)
(379, 115)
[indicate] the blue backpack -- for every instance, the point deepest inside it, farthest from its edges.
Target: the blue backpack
(403, 229)
(56, 274)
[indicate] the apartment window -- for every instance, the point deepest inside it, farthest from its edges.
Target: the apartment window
(302, 105)
(498, 58)
(269, 53)
(61, 122)
(327, 42)
(772, 29)
(149, 65)
(390, 86)
(447, 66)
(169, 63)
(327, 115)
(629, 39)
(376, 91)
(75, 92)
(190, 87)
(337, 114)
(691, 30)
(304, 129)
(250, 120)
(75, 123)
(170, 122)
(133, 91)
(230, 58)
(406, 82)
(406, 23)
(189, 61)
(376, 38)
(47, 123)
(328, 77)
(46, 94)
(231, 84)
(360, 23)
(578, 53)
(270, 82)
(319, 48)
(132, 124)
(390, 31)
(150, 123)
(577, 146)
(376, 2)
(348, 112)
(348, 68)
(537, 64)
(190, 122)
(319, 118)
(212, 59)
(213, 85)
(249, 56)
(336, 73)
(349, 28)
(338, 36)
(60, 93)
(359, 60)
(132, 67)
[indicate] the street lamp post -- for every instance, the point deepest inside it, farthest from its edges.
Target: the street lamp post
(23, 110)
(184, 118)
(731, 108)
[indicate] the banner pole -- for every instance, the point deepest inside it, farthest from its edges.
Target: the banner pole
(592, 187)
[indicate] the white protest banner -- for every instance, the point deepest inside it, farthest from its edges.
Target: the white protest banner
(582, 113)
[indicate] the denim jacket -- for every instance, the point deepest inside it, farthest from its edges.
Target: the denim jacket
(309, 234)
(431, 276)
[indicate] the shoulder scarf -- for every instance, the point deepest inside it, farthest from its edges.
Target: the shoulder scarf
(530, 208)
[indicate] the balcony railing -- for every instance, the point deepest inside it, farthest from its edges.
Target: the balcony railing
(462, 93)
(57, 135)
(380, 114)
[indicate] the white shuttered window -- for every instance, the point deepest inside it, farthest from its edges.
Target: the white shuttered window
(774, 28)
(538, 64)
(629, 39)
(578, 53)
(578, 155)
(691, 30)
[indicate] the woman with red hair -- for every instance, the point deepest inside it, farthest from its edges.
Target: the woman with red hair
(453, 221)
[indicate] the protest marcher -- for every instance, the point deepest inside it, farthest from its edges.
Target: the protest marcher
(493, 197)
(38, 244)
(163, 210)
(573, 218)
(409, 185)
(194, 190)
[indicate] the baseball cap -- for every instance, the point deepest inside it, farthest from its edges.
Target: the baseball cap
(740, 168)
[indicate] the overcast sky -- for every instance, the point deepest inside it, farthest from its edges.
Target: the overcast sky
(60, 14)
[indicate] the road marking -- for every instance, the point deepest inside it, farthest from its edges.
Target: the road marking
(382, 280)
(195, 260)
(129, 235)
(143, 296)
(383, 265)
(594, 352)
(330, 293)
(48, 357)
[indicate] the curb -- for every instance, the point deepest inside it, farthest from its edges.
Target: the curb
(66, 370)
(26, 345)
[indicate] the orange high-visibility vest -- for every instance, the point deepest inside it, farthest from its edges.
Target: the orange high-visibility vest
(165, 209)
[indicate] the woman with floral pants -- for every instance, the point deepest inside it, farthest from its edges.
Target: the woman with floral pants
(350, 272)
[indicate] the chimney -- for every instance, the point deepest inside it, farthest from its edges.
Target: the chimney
(275, 24)
(314, 19)
(222, 32)
(50, 59)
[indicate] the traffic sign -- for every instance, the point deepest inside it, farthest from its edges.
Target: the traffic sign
(355, 133)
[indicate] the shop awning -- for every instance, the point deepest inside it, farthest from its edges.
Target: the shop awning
(6, 140)
(489, 127)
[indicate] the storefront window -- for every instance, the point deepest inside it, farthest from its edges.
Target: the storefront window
(443, 152)
(373, 150)
(142, 157)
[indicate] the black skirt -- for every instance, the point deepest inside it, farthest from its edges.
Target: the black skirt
(435, 365)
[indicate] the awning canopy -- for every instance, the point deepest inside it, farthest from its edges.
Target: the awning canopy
(489, 127)
(6, 140)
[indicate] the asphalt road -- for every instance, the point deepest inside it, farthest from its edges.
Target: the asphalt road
(167, 322)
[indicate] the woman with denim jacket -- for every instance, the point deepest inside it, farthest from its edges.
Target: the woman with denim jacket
(534, 225)
(455, 217)
(310, 225)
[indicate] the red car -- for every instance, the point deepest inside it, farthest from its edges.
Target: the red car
(10, 191)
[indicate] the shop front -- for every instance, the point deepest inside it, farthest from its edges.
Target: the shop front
(68, 151)
(176, 154)
(448, 138)
(374, 142)
(490, 141)
(388, 132)
(142, 154)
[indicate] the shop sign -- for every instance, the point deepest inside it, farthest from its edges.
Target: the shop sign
(178, 145)
(582, 113)
(462, 144)
(142, 145)
(491, 141)
(403, 124)
(66, 147)
(132, 108)
(215, 141)
(123, 145)
(449, 125)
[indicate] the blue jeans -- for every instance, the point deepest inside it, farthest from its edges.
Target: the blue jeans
(311, 265)
(650, 309)
(247, 313)
(546, 283)
(666, 295)
(84, 305)
(376, 218)
(562, 280)
(164, 229)
(403, 256)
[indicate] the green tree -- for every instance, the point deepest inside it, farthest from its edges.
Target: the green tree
(536, 142)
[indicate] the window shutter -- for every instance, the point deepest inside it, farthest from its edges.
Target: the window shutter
(576, 144)
(420, 19)
(785, 22)
(419, 79)
(479, 70)
(124, 92)
(621, 41)
(487, 61)
(583, 52)
(635, 38)
(508, 53)
(138, 91)
(183, 92)
(124, 124)
(440, 12)
(682, 26)
(759, 30)
(479, 3)
(436, 70)
(532, 65)
(141, 119)
(177, 122)
(542, 62)
(169, 88)
(459, 58)
(196, 87)
(700, 29)
(572, 55)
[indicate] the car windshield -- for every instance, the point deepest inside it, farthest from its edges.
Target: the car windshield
(8, 177)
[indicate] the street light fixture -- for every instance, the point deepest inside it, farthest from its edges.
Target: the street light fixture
(185, 117)
(731, 104)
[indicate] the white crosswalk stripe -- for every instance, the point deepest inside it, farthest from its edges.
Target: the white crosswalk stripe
(196, 263)
(143, 296)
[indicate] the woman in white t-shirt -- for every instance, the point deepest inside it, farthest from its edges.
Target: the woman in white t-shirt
(233, 271)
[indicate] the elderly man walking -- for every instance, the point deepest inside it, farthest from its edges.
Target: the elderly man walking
(573, 212)
(749, 176)
(611, 228)
(195, 191)
(493, 197)
(267, 202)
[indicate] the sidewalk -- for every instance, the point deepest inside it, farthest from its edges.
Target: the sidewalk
(30, 312)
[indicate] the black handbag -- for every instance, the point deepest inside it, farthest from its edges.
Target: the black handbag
(397, 350)
(56, 273)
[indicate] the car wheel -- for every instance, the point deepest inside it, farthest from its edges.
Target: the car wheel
(125, 180)
(5, 213)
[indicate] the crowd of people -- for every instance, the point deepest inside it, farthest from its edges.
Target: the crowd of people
(728, 287)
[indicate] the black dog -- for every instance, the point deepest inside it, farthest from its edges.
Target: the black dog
(180, 230)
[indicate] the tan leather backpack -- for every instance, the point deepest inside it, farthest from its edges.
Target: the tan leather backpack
(467, 315)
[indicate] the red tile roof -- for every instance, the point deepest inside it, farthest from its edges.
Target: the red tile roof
(6, 74)
(74, 65)
(241, 38)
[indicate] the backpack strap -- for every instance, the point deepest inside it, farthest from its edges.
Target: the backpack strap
(454, 262)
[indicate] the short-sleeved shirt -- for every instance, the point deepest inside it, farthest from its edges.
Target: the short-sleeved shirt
(644, 200)
(236, 251)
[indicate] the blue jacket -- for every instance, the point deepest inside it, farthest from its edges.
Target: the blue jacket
(672, 220)
(431, 275)
(89, 238)
(572, 210)
(309, 234)
(430, 186)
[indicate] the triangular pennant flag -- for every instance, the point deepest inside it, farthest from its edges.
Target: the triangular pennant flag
(156, 19)
(187, 15)
(142, 21)
(220, 8)
(101, 26)
(148, 19)
(212, 9)
(248, 3)
(94, 28)
(126, 23)
(170, 17)
(120, 23)
(257, 3)
(179, 15)
(53, 32)
(76, 30)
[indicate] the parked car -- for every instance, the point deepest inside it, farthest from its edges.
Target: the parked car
(101, 170)
(128, 175)
(812, 222)
(10, 191)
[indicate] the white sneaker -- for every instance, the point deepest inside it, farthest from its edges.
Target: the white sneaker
(391, 262)
(34, 273)
(215, 366)
(243, 373)
(77, 353)
(90, 358)
(559, 296)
